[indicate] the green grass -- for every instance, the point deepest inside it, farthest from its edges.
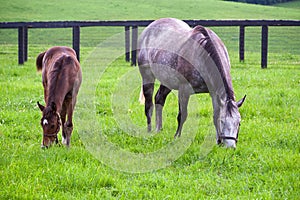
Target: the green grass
(265, 164)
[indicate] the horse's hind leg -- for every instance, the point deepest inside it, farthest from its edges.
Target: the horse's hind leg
(148, 93)
(148, 87)
(183, 99)
(160, 99)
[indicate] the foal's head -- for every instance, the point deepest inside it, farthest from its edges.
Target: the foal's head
(50, 123)
(229, 124)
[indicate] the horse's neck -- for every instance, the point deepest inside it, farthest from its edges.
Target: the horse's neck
(219, 106)
(56, 92)
(219, 96)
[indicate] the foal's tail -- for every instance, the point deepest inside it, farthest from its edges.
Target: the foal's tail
(39, 61)
(142, 97)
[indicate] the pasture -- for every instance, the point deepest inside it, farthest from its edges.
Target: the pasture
(265, 164)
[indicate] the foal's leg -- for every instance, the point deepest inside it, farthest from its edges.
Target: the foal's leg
(183, 99)
(68, 126)
(160, 99)
(63, 114)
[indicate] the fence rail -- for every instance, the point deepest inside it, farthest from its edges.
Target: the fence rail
(133, 25)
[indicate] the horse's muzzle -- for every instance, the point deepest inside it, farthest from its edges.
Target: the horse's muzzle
(229, 143)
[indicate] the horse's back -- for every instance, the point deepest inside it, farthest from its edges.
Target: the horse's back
(169, 24)
(55, 53)
(161, 46)
(161, 41)
(163, 32)
(59, 50)
(58, 57)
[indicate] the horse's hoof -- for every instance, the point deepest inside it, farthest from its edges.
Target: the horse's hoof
(158, 130)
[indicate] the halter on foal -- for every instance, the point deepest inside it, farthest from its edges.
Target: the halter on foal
(61, 76)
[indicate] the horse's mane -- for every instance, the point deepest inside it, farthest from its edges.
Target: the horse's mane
(209, 46)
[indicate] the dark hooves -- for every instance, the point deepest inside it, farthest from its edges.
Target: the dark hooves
(177, 135)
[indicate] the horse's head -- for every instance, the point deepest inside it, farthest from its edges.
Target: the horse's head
(230, 124)
(50, 123)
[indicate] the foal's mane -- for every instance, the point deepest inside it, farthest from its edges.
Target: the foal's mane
(210, 47)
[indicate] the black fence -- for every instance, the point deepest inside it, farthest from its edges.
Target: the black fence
(131, 27)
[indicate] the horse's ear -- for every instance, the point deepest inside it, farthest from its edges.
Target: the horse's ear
(39, 61)
(41, 106)
(53, 106)
(240, 102)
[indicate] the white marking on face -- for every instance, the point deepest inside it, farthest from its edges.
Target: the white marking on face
(64, 140)
(45, 121)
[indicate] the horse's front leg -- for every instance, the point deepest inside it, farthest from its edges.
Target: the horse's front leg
(160, 99)
(183, 99)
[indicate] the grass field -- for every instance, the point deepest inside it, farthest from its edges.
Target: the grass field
(265, 164)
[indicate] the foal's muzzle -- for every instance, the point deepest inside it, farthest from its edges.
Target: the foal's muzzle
(51, 138)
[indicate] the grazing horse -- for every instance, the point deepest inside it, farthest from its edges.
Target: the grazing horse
(190, 60)
(61, 76)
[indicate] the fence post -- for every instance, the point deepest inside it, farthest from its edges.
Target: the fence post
(127, 43)
(264, 46)
(21, 45)
(25, 43)
(76, 41)
(134, 45)
(242, 43)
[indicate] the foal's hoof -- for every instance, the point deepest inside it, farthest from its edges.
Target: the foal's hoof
(44, 147)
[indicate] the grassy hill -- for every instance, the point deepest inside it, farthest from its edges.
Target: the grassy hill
(24, 10)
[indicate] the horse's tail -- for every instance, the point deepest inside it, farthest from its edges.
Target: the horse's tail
(142, 97)
(39, 61)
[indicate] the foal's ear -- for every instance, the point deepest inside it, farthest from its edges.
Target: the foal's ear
(41, 106)
(240, 102)
(53, 106)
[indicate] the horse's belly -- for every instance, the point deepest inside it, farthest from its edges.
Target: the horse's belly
(167, 76)
(173, 79)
